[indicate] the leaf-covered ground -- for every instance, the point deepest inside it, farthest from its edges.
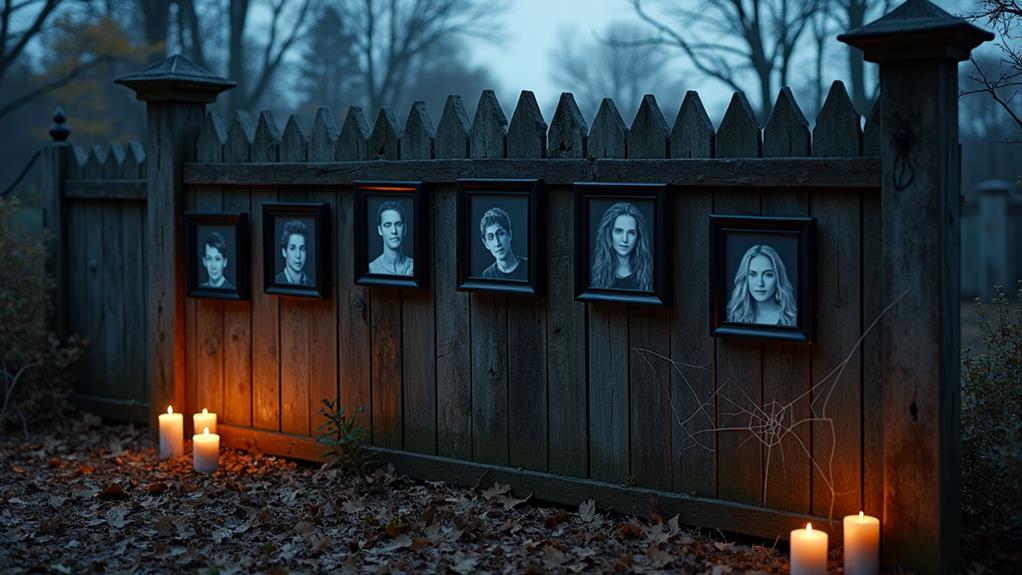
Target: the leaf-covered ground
(95, 498)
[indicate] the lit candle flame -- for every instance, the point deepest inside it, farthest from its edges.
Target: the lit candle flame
(170, 410)
(205, 431)
(861, 517)
(809, 527)
(205, 411)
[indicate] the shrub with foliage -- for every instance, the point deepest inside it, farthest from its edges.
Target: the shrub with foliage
(344, 439)
(35, 367)
(992, 422)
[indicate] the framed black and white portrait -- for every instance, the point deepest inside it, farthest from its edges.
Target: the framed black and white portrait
(762, 277)
(500, 236)
(296, 249)
(391, 230)
(620, 243)
(217, 256)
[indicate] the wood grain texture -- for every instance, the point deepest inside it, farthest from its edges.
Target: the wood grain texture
(488, 135)
(649, 332)
(323, 137)
(489, 378)
(565, 344)
(353, 339)
(692, 382)
(353, 141)
(452, 132)
(607, 139)
(829, 174)
(112, 298)
(607, 339)
(738, 135)
(837, 131)
(787, 375)
(417, 140)
(295, 353)
(265, 309)
(134, 302)
(692, 135)
(110, 190)
(385, 139)
(568, 135)
(740, 462)
(323, 333)
(526, 136)
(388, 410)
(454, 381)
(245, 142)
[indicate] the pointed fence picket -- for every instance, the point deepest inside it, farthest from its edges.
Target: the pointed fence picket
(597, 391)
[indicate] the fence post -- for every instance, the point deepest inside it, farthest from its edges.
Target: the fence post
(176, 93)
(54, 170)
(918, 47)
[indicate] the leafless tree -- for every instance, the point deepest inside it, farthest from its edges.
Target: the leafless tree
(617, 65)
(721, 38)
(393, 36)
(14, 39)
(1001, 82)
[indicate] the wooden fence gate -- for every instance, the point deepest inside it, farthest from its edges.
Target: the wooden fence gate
(97, 198)
(563, 399)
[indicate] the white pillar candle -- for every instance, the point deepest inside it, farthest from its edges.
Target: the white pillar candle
(172, 434)
(862, 544)
(206, 450)
(204, 420)
(808, 551)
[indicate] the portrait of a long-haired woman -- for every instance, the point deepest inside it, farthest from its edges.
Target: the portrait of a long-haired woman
(762, 292)
(622, 257)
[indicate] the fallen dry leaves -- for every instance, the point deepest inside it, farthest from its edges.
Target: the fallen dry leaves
(92, 498)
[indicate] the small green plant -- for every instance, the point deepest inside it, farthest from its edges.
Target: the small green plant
(992, 421)
(344, 439)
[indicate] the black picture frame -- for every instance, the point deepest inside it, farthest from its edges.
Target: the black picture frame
(369, 196)
(734, 243)
(476, 267)
(318, 285)
(231, 228)
(652, 201)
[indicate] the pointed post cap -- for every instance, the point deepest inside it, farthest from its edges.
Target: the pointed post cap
(916, 30)
(177, 79)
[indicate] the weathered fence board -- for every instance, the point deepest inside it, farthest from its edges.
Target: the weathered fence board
(740, 462)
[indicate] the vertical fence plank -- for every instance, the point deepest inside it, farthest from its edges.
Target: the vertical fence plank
(649, 330)
(569, 134)
(265, 308)
(739, 362)
(385, 311)
(488, 139)
(418, 323)
(95, 353)
(242, 147)
(527, 343)
(352, 301)
(295, 356)
(608, 341)
(607, 138)
(323, 313)
(113, 281)
(453, 358)
(787, 376)
(837, 440)
(566, 318)
(872, 350)
(209, 315)
(452, 131)
(691, 346)
(134, 283)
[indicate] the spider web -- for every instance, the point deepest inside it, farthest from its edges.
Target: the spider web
(770, 423)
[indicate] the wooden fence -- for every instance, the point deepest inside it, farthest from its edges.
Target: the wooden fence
(99, 195)
(550, 384)
(563, 399)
